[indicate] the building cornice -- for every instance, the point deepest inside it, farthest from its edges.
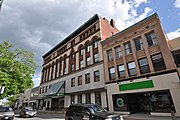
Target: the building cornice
(72, 35)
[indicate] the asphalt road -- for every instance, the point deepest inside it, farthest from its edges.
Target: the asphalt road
(42, 116)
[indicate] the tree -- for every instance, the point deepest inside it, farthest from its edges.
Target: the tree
(17, 68)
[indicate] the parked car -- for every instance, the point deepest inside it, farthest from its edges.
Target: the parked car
(6, 113)
(90, 112)
(27, 112)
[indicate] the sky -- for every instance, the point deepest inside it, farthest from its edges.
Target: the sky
(39, 25)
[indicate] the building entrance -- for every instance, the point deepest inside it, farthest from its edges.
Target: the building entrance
(152, 101)
(139, 102)
(57, 103)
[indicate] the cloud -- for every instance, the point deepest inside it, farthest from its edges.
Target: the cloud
(36, 80)
(39, 26)
(177, 4)
(174, 34)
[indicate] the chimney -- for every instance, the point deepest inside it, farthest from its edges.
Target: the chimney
(112, 23)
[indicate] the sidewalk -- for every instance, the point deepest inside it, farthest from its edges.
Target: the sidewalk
(142, 116)
(137, 116)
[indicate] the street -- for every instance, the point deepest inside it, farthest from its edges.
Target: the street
(60, 116)
(42, 116)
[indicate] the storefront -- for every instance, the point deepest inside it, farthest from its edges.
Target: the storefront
(152, 101)
(54, 97)
(157, 95)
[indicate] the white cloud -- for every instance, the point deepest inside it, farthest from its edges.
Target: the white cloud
(38, 26)
(36, 80)
(174, 34)
(177, 3)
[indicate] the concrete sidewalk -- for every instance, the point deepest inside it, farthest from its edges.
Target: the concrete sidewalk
(136, 116)
(145, 116)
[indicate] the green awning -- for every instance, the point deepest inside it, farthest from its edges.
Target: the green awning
(55, 88)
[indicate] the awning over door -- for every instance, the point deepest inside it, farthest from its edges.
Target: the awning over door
(55, 88)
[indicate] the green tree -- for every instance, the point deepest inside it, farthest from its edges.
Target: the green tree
(17, 67)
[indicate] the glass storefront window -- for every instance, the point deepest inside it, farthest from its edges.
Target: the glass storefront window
(153, 101)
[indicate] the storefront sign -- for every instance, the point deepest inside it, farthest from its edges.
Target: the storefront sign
(137, 85)
(120, 102)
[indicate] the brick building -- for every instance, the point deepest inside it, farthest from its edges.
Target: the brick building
(72, 71)
(140, 73)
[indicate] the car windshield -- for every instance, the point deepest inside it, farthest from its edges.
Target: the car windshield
(7, 109)
(28, 109)
(97, 108)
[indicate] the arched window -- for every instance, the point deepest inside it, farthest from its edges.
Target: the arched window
(72, 61)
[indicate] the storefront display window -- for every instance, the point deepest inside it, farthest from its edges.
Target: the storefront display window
(120, 102)
(153, 101)
(161, 101)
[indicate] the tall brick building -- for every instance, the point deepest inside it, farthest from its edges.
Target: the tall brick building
(73, 72)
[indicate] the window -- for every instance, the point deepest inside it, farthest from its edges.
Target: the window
(88, 61)
(98, 98)
(72, 67)
(88, 98)
(96, 58)
(176, 55)
(72, 82)
(132, 69)
(81, 64)
(79, 98)
(121, 71)
(56, 70)
(144, 67)
(80, 37)
(52, 70)
(158, 62)
(46, 89)
(95, 44)
(40, 90)
(48, 75)
(49, 86)
(72, 99)
(65, 70)
(96, 76)
(43, 76)
(109, 55)
(60, 67)
(118, 52)
(79, 80)
(112, 73)
(88, 48)
(87, 78)
(43, 90)
(72, 43)
(151, 39)
(128, 48)
(72, 56)
(138, 43)
(81, 52)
